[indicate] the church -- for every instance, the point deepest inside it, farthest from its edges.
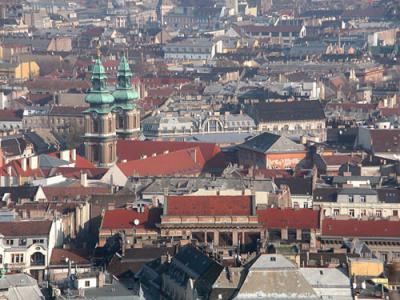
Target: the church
(111, 115)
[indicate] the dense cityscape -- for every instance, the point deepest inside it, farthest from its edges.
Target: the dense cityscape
(199, 149)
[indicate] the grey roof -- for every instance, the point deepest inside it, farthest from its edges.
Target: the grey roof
(272, 143)
(389, 195)
(272, 261)
(115, 291)
(357, 191)
(326, 194)
(287, 111)
(344, 179)
(297, 185)
(221, 138)
(186, 185)
(19, 287)
(329, 283)
(273, 276)
(47, 161)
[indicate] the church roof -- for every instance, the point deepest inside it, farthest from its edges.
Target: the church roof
(124, 91)
(99, 94)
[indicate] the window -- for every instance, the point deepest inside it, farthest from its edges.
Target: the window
(120, 121)
(96, 154)
(95, 126)
(395, 213)
(336, 212)
(22, 242)
(110, 125)
(40, 241)
(295, 204)
(351, 212)
(10, 242)
(351, 199)
(379, 213)
(363, 199)
(17, 258)
(87, 283)
(363, 213)
(305, 204)
(110, 153)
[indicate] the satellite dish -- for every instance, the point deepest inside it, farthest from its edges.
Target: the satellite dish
(136, 222)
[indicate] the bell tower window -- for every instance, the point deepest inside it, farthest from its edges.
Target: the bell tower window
(95, 125)
(120, 121)
(110, 153)
(110, 125)
(96, 153)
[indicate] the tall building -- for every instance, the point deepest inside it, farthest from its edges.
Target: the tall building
(100, 139)
(127, 116)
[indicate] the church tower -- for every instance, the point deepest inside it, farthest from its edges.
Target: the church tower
(100, 139)
(126, 114)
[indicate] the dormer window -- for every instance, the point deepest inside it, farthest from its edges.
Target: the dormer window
(351, 198)
(363, 199)
(22, 242)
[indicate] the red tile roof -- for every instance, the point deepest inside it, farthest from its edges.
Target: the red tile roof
(209, 206)
(361, 228)
(74, 172)
(182, 162)
(385, 140)
(389, 112)
(60, 193)
(60, 256)
(57, 84)
(25, 228)
(124, 218)
(80, 162)
(271, 173)
(16, 170)
(340, 159)
(10, 115)
(133, 150)
(289, 218)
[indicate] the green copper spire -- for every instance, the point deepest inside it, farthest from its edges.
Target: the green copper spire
(124, 92)
(99, 94)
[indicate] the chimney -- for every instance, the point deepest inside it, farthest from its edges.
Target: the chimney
(24, 164)
(101, 279)
(9, 176)
(64, 155)
(73, 154)
(84, 181)
(34, 162)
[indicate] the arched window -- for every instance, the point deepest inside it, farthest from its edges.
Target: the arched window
(120, 121)
(96, 153)
(110, 153)
(95, 125)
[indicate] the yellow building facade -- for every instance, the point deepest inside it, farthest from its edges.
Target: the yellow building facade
(19, 71)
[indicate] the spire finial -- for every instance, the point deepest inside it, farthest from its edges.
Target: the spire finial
(98, 52)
